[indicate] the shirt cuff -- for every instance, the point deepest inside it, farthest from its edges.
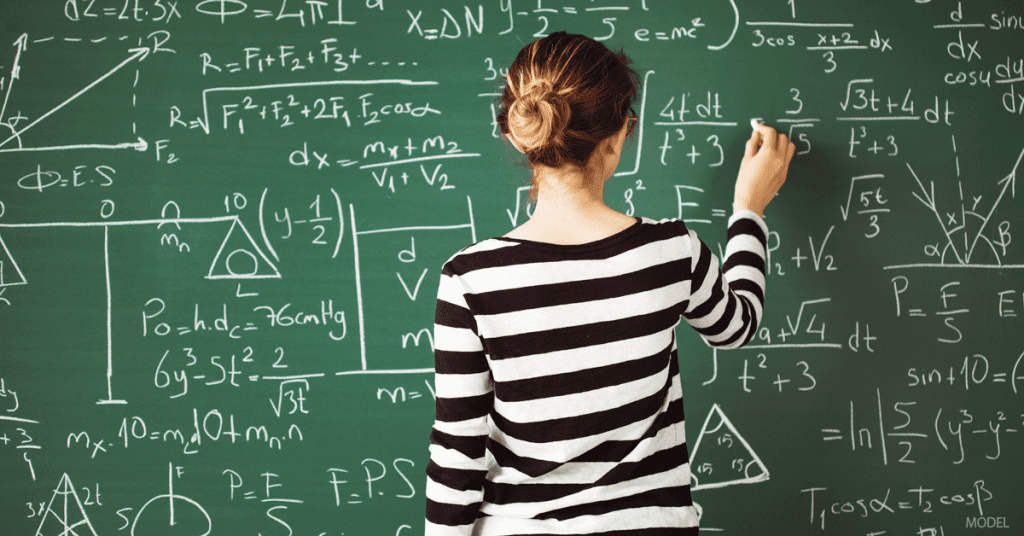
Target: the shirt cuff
(750, 215)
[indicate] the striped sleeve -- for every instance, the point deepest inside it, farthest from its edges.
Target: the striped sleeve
(463, 387)
(727, 299)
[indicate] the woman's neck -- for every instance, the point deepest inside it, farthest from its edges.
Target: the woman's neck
(571, 210)
(568, 195)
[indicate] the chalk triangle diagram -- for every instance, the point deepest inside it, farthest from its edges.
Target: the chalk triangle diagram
(723, 456)
(67, 517)
(240, 258)
(10, 274)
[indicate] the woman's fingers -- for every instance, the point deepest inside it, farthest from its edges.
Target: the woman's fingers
(768, 135)
(752, 144)
(763, 169)
(783, 144)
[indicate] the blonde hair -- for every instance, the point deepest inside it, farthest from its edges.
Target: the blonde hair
(538, 115)
(564, 94)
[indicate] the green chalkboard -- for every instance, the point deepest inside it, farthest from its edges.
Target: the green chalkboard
(222, 224)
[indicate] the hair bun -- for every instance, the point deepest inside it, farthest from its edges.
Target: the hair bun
(539, 116)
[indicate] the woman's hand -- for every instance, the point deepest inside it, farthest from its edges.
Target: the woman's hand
(763, 169)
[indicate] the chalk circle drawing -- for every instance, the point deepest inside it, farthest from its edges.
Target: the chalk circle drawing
(171, 498)
(727, 435)
(65, 524)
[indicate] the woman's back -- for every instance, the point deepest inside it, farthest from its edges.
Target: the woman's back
(559, 399)
(568, 373)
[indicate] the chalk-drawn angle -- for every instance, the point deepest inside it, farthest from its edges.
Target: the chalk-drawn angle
(240, 258)
(964, 254)
(65, 517)
(721, 463)
(10, 274)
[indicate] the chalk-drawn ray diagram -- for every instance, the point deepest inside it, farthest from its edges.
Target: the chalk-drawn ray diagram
(727, 459)
(12, 131)
(966, 227)
(237, 258)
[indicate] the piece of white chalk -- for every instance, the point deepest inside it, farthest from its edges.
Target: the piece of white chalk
(754, 123)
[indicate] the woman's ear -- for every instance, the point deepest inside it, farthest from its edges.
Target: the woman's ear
(617, 140)
(609, 144)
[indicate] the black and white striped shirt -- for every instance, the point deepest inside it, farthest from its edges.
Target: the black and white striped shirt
(559, 404)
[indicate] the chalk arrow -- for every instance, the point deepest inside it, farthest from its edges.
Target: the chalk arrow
(140, 52)
(140, 146)
(928, 201)
(1012, 177)
(21, 43)
(1009, 182)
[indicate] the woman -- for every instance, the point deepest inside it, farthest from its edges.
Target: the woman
(559, 406)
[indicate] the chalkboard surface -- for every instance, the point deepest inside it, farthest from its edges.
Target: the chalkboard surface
(222, 224)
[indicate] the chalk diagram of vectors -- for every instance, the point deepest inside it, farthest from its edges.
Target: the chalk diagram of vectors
(117, 102)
